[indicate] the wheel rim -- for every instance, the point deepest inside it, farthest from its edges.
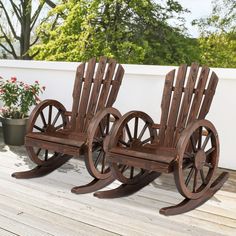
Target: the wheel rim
(96, 161)
(198, 162)
(135, 131)
(48, 118)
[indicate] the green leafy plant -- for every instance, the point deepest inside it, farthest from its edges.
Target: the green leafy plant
(18, 97)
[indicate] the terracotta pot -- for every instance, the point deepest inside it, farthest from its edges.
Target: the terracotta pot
(14, 130)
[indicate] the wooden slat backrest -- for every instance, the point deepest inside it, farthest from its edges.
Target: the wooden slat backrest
(184, 101)
(96, 87)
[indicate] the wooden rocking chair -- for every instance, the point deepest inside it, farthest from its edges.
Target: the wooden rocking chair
(55, 135)
(187, 144)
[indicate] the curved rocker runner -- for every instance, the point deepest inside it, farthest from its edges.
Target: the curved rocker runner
(55, 135)
(186, 144)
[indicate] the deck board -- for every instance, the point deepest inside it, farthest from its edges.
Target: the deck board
(45, 206)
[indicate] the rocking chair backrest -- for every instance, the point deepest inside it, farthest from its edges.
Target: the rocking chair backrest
(96, 87)
(184, 101)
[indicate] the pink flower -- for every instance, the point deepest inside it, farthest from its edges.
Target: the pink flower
(13, 79)
(2, 91)
(43, 88)
(36, 81)
(26, 86)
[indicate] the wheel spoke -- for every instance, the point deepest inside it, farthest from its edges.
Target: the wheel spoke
(98, 159)
(193, 143)
(146, 140)
(101, 130)
(128, 132)
(136, 127)
(50, 114)
(59, 126)
(188, 155)
(39, 150)
(108, 124)
(56, 118)
(124, 168)
(187, 165)
(189, 176)
(46, 155)
(202, 177)
(43, 118)
(195, 181)
(131, 172)
(206, 140)
(208, 165)
(143, 131)
(124, 143)
(200, 138)
(38, 128)
(103, 162)
(208, 152)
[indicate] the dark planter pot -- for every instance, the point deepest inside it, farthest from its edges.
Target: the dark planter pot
(14, 130)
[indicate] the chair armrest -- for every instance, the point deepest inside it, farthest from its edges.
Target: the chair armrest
(156, 126)
(99, 116)
(189, 130)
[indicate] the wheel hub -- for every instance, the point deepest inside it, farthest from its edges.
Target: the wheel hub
(49, 128)
(135, 143)
(199, 159)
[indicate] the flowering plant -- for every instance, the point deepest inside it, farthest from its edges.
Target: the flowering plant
(18, 97)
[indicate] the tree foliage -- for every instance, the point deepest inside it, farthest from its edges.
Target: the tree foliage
(132, 31)
(218, 35)
(18, 21)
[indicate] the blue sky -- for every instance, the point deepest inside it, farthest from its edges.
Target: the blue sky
(198, 8)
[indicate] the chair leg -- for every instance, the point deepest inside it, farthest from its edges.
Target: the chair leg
(128, 189)
(190, 204)
(42, 170)
(94, 185)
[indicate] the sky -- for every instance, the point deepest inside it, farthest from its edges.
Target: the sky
(199, 9)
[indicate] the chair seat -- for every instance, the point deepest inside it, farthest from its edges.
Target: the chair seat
(63, 137)
(149, 157)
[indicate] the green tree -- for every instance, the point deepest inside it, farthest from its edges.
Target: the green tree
(218, 35)
(18, 21)
(132, 31)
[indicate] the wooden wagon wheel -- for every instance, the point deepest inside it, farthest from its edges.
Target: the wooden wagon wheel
(133, 130)
(49, 116)
(98, 138)
(198, 159)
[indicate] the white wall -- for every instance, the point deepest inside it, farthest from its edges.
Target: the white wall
(141, 90)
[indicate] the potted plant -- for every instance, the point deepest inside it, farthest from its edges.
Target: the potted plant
(17, 98)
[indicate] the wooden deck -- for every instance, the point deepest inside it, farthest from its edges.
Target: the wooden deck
(45, 206)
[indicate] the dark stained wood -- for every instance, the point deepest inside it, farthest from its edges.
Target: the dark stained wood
(77, 94)
(154, 154)
(115, 85)
(188, 94)
(85, 95)
(173, 113)
(165, 104)
(199, 94)
(180, 147)
(54, 132)
(96, 89)
(208, 96)
(94, 185)
(190, 204)
(106, 86)
(128, 189)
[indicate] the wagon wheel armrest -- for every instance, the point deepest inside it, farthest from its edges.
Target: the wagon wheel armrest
(190, 129)
(121, 128)
(46, 103)
(99, 116)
